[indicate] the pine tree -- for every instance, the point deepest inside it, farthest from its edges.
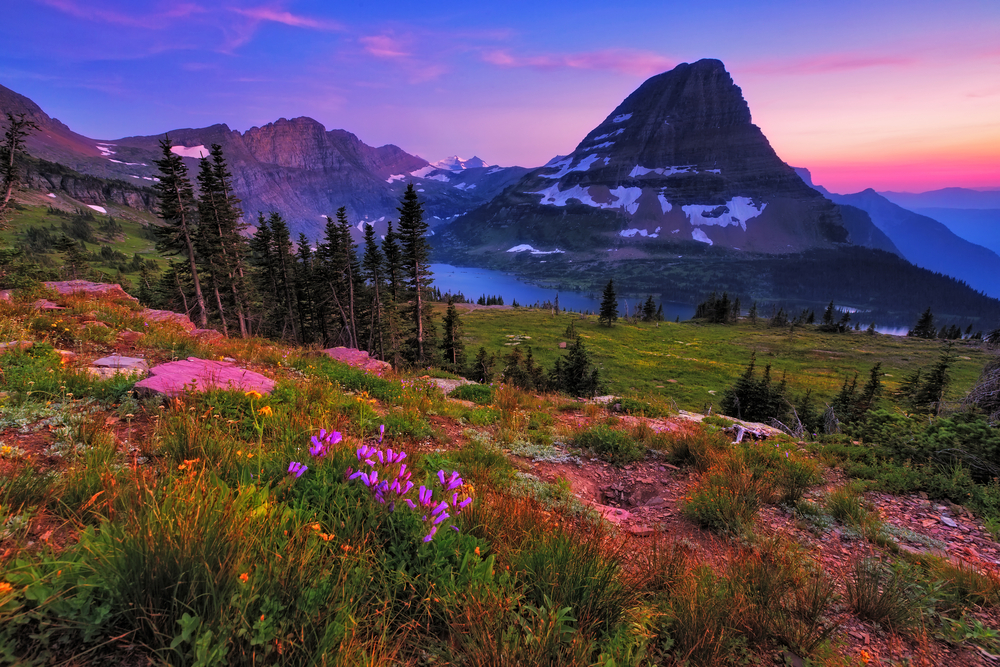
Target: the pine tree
(414, 251)
(452, 348)
(373, 266)
(178, 212)
(482, 368)
(18, 129)
(281, 251)
(575, 374)
(924, 327)
(609, 305)
(649, 309)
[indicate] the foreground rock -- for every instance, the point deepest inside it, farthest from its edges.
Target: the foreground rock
(67, 287)
(357, 358)
(168, 316)
(116, 364)
(194, 374)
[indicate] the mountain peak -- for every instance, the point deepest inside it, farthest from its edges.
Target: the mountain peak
(456, 163)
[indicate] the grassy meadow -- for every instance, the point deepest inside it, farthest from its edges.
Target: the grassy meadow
(702, 360)
(234, 528)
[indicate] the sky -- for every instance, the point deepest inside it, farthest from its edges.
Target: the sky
(892, 95)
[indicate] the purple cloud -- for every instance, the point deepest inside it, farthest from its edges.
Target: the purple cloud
(624, 61)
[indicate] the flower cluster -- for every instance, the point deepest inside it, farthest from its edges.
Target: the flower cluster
(389, 482)
(322, 442)
(296, 469)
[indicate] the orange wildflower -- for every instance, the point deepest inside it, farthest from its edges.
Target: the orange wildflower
(244, 577)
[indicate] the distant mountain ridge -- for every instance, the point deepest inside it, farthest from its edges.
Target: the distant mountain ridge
(295, 167)
(925, 241)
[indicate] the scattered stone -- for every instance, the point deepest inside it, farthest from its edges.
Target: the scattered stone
(129, 338)
(120, 362)
(641, 531)
(448, 385)
(357, 358)
(655, 502)
(948, 522)
(45, 304)
(169, 317)
(66, 355)
(672, 381)
(194, 374)
(15, 345)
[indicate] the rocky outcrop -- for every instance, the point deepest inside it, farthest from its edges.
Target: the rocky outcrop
(111, 291)
(678, 161)
(52, 177)
(358, 359)
(193, 374)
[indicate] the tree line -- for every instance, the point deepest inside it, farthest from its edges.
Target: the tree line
(326, 292)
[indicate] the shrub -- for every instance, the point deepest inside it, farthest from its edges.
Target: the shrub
(632, 406)
(696, 448)
(728, 495)
(882, 594)
(612, 445)
(480, 394)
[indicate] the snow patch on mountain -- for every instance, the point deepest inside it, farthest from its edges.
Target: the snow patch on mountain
(455, 163)
(99, 209)
(609, 134)
(606, 144)
(665, 205)
(465, 186)
(564, 166)
(622, 197)
(629, 233)
(524, 247)
(699, 235)
(737, 211)
(621, 118)
(395, 177)
(189, 151)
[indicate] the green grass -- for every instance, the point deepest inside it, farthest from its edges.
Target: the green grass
(642, 359)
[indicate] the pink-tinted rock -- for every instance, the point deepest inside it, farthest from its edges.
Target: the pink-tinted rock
(206, 334)
(45, 304)
(67, 287)
(5, 295)
(193, 374)
(168, 316)
(357, 358)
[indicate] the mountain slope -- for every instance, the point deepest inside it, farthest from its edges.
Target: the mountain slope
(678, 160)
(928, 243)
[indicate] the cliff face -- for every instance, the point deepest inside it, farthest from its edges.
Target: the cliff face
(678, 160)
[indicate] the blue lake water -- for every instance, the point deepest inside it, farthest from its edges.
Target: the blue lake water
(473, 283)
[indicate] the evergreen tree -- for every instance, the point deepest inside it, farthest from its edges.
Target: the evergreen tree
(393, 263)
(755, 399)
(74, 260)
(452, 348)
(828, 316)
(12, 149)
(930, 392)
(575, 374)
(753, 313)
(924, 327)
(414, 251)
(373, 267)
(178, 212)
(482, 368)
(649, 309)
(609, 305)
(281, 252)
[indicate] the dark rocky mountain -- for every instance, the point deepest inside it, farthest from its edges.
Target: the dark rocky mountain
(295, 167)
(678, 160)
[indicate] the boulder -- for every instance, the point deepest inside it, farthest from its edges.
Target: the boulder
(357, 358)
(183, 321)
(45, 304)
(119, 362)
(67, 287)
(194, 374)
(206, 334)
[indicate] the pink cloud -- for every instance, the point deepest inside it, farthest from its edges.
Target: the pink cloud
(384, 46)
(289, 19)
(624, 61)
(149, 21)
(837, 62)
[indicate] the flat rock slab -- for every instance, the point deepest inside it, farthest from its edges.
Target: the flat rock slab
(194, 374)
(45, 304)
(15, 345)
(357, 358)
(206, 334)
(447, 385)
(118, 361)
(67, 287)
(169, 316)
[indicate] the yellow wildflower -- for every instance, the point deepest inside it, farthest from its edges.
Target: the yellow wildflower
(266, 411)
(5, 588)
(253, 394)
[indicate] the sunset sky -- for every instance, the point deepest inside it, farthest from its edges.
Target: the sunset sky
(883, 94)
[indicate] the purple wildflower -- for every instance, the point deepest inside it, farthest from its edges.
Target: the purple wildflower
(295, 468)
(381, 432)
